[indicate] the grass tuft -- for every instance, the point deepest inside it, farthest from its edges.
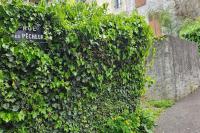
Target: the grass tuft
(164, 104)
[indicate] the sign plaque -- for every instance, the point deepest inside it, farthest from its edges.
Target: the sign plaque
(31, 33)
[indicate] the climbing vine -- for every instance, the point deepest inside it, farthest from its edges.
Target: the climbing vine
(91, 70)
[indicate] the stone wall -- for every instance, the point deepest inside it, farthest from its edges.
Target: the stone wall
(187, 8)
(176, 69)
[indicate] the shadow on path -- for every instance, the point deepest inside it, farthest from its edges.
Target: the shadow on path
(183, 117)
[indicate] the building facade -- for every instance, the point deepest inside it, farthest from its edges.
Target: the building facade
(118, 6)
(144, 7)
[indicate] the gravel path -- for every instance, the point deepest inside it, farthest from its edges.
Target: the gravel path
(183, 117)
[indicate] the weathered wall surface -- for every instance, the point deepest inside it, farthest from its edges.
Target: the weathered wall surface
(176, 69)
(187, 8)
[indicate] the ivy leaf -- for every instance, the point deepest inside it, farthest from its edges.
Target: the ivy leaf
(5, 106)
(21, 115)
(15, 108)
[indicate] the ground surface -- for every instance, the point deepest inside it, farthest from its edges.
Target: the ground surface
(183, 117)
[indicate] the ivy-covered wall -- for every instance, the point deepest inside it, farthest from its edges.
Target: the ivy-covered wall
(88, 77)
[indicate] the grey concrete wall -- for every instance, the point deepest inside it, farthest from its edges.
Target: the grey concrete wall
(176, 69)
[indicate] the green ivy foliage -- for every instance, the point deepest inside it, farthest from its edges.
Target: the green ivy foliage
(91, 70)
(191, 31)
(141, 121)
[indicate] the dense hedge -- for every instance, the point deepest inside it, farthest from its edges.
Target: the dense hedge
(191, 31)
(90, 73)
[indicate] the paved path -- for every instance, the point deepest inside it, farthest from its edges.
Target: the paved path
(183, 117)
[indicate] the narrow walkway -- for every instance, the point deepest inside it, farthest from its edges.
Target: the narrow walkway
(183, 117)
